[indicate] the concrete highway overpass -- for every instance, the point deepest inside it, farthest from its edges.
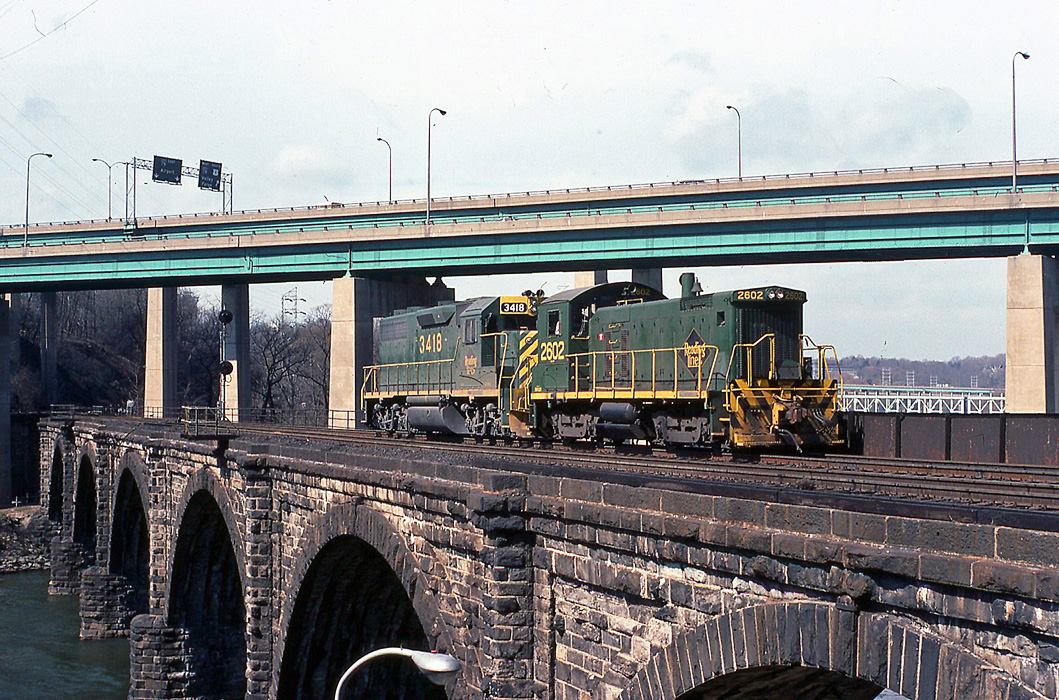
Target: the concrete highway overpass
(379, 253)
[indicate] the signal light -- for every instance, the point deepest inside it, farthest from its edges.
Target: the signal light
(225, 316)
(225, 368)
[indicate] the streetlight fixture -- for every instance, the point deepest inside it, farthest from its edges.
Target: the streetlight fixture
(389, 148)
(110, 183)
(438, 668)
(25, 234)
(430, 123)
(739, 136)
(1014, 150)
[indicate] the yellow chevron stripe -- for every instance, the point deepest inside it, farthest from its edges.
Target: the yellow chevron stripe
(529, 351)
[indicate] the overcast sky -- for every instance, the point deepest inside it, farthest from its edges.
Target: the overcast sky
(291, 95)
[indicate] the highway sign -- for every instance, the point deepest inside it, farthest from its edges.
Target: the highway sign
(209, 175)
(166, 170)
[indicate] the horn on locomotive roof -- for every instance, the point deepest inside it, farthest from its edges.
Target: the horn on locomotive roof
(689, 285)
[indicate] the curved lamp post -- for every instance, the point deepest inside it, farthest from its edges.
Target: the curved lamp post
(1014, 151)
(430, 124)
(110, 182)
(739, 136)
(389, 148)
(438, 668)
(25, 234)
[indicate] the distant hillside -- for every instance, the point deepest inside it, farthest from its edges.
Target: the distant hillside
(987, 372)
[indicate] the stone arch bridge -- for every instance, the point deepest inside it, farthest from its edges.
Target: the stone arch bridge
(262, 571)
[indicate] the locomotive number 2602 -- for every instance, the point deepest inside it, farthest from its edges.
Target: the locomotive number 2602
(431, 342)
(551, 352)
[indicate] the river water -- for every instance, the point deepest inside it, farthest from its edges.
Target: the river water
(40, 654)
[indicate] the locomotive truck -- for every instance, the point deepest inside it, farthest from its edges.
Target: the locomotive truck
(615, 362)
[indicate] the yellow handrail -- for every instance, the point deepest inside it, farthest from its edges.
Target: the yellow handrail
(749, 348)
(498, 363)
(808, 344)
(611, 359)
(371, 372)
(749, 354)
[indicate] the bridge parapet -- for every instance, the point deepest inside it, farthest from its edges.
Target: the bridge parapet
(556, 584)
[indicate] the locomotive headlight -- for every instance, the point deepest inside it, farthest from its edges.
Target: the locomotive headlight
(779, 295)
(772, 294)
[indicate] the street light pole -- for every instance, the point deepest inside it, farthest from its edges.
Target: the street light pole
(25, 234)
(1014, 149)
(438, 668)
(739, 137)
(430, 123)
(110, 183)
(389, 148)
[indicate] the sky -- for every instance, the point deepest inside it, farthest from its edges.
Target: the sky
(291, 97)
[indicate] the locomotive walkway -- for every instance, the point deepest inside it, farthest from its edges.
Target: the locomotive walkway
(261, 571)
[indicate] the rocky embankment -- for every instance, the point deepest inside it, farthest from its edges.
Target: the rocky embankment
(21, 543)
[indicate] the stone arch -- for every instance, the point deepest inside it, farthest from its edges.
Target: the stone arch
(347, 554)
(206, 596)
(86, 507)
(56, 482)
(130, 550)
(815, 650)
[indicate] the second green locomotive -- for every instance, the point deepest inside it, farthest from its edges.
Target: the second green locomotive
(617, 362)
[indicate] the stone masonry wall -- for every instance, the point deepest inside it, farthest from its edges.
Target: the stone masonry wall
(556, 587)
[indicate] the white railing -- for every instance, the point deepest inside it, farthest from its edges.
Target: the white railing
(907, 399)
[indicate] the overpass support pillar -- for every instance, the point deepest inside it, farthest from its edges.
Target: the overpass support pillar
(356, 302)
(49, 347)
(649, 276)
(160, 373)
(236, 390)
(7, 357)
(589, 278)
(1032, 364)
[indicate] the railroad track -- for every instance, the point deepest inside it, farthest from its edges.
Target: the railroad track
(1002, 485)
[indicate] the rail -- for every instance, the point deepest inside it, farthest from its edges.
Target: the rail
(806, 175)
(607, 373)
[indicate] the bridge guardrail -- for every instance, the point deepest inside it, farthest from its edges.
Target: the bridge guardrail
(944, 167)
(239, 229)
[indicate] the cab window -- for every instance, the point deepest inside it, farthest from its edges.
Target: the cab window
(554, 323)
(470, 331)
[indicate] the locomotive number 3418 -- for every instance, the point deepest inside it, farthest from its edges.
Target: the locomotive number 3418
(431, 342)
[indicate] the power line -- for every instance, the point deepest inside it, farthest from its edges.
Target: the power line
(93, 193)
(47, 176)
(61, 25)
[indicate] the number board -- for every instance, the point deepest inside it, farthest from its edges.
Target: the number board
(209, 175)
(166, 170)
(515, 305)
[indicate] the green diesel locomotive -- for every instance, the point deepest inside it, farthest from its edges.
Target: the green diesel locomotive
(616, 362)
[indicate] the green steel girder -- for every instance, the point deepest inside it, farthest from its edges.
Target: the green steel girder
(969, 234)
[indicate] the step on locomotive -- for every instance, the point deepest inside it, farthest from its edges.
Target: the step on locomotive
(616, 362)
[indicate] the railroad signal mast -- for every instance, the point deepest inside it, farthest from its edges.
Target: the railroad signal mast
(171, 171)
